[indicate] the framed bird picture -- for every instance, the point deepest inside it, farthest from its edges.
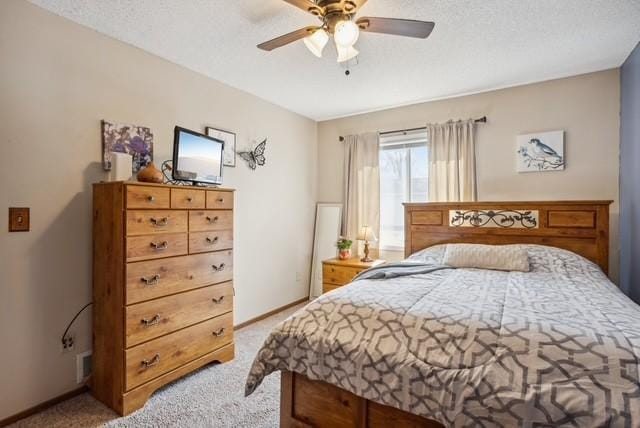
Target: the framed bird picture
(542, 151)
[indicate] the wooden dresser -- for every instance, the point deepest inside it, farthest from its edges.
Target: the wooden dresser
(336, 272)
(162, 287)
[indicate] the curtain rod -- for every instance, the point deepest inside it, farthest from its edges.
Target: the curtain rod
(483, 119)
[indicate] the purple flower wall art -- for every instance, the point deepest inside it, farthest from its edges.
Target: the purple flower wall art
(136, 141)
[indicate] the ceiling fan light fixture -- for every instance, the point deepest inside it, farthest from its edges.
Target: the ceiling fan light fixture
(346, 33)
(346, 53)
(316, 42)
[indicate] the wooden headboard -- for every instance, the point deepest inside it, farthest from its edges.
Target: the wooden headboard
(578, 226)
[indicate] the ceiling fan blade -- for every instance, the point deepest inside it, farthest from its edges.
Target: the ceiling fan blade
(278, 42)
(398, 27)
(307, 6)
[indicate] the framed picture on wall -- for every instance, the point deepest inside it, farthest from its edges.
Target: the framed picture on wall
(541, 151)
(133, 140)
(229, 138)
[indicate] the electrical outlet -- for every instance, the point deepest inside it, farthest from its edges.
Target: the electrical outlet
(83, 366)
(298, 276)
(68, 343)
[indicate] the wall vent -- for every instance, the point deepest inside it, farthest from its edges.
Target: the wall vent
(83, 366)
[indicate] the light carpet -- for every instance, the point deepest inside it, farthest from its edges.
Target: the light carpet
(210, 397)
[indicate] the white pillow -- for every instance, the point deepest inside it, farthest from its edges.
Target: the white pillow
(496, 257)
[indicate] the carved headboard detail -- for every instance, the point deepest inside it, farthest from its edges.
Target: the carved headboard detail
(578, 226)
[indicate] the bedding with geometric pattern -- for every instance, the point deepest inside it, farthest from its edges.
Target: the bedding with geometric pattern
(558, 345)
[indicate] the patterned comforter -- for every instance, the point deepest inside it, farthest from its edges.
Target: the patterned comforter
(469, 347)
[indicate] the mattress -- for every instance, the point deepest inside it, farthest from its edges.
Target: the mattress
(558, 345)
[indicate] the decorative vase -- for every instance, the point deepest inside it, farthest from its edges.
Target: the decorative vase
(344, 254)
(150, 174)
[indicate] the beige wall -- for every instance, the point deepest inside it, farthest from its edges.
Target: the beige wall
(57, 81)
(587, 107)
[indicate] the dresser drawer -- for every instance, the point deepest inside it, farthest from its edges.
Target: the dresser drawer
(201, 242)
(217, 200)
(158, 278)
(188, 198)
(147, 197)
(148, 320)
(338, 275)
(144, 222)
(149, 360)
(201, 221)
(156, 246)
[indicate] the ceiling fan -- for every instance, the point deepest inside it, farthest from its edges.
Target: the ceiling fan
(337, 18)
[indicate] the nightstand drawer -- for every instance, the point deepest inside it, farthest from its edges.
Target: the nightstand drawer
(338, 275)
(329, 287)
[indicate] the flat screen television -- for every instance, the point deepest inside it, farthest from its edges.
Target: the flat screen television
(197, 157)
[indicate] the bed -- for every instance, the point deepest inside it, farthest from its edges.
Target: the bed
(558, 345)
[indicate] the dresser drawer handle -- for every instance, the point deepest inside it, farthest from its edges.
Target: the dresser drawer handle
(219, 332)
(153, 280)
(160, 246)
(219, 268)
(212, 241)
(149, 322)
(221, 200)
(152, 362)
(218, 300)
(189, 199)
(151, 198)
(159, 222)
(212, 220)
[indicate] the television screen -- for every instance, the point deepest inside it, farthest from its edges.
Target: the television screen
(197, 157)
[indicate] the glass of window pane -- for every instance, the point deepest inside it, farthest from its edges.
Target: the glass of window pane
(393, 192)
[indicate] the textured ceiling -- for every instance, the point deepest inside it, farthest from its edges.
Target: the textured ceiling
(477, 45)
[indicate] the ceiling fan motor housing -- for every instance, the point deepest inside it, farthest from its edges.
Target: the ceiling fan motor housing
(332, 19)
(346, 6)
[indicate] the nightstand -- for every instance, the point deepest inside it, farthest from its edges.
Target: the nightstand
(336, 272)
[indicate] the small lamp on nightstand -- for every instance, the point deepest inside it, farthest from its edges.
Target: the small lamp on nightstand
(366, 234)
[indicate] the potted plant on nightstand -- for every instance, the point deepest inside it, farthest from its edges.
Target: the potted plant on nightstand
(344, 248)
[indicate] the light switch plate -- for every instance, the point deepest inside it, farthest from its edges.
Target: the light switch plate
(19, 219)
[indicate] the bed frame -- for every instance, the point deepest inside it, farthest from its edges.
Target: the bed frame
(578, 226)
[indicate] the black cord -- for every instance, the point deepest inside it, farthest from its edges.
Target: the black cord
(64, 335)
(167, 168)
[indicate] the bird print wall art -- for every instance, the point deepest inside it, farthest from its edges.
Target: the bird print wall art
(543, 151)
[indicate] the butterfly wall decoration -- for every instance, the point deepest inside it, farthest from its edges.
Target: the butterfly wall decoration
(255, 157)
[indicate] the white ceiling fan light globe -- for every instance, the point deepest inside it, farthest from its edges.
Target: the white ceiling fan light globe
(316, 42)
(346, 53)
(346, 33)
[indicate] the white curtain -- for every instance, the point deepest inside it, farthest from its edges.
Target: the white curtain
(361, 184)
(452, 162)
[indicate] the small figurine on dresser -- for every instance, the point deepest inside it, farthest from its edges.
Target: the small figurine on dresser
(150, 174)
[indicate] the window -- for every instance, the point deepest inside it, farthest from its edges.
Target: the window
(404, 177)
